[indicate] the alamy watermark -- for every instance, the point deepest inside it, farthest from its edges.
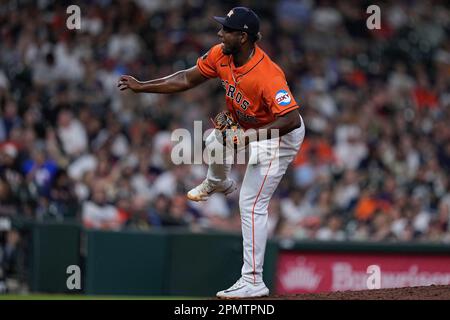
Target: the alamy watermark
(374, 279)
(74, 279)
(74, 19)
(374, 20)
(219, 147)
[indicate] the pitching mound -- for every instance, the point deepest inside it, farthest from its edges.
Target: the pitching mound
(432, 292)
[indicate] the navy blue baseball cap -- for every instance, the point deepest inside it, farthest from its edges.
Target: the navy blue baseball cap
(240, 18)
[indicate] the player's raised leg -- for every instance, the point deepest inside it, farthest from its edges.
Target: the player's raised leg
(219, 166)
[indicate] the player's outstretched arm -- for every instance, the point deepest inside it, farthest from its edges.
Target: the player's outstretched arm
(177, 82)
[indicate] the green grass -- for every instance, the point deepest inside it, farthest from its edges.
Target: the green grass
(87, 297)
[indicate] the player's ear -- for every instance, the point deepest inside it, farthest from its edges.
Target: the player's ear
(244, 37)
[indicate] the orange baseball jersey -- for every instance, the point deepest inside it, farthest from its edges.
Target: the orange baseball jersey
(256, 92)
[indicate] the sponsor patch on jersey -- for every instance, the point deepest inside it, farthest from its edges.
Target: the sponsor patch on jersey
(282, 98)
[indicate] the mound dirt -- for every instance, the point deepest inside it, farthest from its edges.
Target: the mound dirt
(433, 292)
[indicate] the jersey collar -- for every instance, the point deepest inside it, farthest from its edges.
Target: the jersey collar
(245, 68)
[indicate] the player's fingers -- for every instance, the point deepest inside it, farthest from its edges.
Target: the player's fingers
(123, 81)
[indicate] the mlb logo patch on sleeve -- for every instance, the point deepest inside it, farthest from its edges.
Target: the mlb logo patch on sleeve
(282, 98)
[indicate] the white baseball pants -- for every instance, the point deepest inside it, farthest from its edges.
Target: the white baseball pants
(267, 164)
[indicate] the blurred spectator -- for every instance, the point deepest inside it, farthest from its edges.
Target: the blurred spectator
(10, 253)
(332, 230)
(159, 210)
(139, 217)
(40, 171)
(9, 205)
(98, 213)
(72, 134)
(124, 46)
(178, 214)
(9, 259)
(63, 199)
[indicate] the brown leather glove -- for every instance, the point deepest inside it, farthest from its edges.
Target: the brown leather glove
(230, 131)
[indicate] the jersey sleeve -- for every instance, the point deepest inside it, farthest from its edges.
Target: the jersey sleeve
(278, 96)
(207, 64)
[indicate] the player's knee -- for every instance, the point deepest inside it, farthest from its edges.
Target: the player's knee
(211, 141)
(260, 209)
(252, 204)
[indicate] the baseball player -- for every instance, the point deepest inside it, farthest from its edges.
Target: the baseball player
(257, 97)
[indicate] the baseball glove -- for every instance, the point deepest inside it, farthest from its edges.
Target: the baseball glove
(229, 131)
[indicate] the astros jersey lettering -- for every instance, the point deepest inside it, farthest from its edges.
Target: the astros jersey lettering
(256, 92)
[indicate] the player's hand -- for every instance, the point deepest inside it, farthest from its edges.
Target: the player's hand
(129, 82)
(229, 131)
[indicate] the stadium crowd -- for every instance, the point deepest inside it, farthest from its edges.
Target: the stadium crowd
(375, 163)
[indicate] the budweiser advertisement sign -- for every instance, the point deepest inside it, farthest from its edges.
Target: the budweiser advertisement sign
(301, 272)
